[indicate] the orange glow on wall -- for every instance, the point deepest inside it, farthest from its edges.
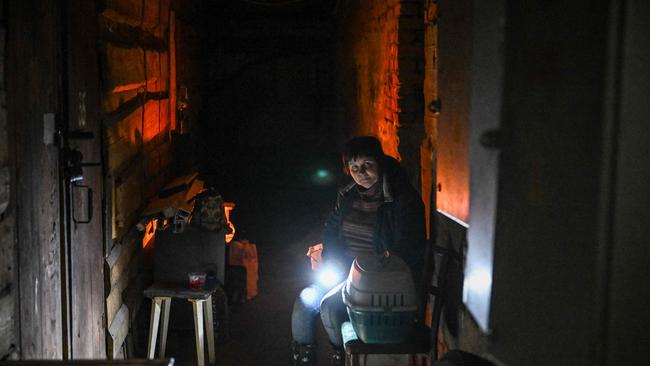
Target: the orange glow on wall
(452, 167)
(389, 139)
(149, 233)
(387, 128)
(378, 83)
(227, 207)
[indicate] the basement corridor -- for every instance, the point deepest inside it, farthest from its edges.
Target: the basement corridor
(523, 125)
(282, 218)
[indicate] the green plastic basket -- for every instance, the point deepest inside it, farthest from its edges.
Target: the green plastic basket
(382, 327)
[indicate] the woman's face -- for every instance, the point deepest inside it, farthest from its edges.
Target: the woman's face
(364, 170)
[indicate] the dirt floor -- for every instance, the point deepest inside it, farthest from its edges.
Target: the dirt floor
(282, 217)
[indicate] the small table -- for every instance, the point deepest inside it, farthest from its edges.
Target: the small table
(161, 295)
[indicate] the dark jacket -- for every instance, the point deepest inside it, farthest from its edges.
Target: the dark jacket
(400, 226)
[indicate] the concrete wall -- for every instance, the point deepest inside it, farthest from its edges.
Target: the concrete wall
(567, 284)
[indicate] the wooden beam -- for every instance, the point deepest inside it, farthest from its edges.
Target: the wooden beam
(128, 36)
(123, 11)
(130, 106)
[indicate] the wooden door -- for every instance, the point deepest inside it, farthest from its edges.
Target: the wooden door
(83, 199)
(34, 109)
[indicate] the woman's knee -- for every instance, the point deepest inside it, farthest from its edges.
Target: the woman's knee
(308, 300)
(332, 309)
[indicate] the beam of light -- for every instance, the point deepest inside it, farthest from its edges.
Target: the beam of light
(328, 277)
(310, 297)
(479, 280)
(322, 173)
(322, 176)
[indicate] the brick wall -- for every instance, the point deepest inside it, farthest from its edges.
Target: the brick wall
(381, 75)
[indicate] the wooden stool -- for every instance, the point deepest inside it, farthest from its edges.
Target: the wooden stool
(161, 300)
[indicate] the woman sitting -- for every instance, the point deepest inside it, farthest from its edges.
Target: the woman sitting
(379, 212)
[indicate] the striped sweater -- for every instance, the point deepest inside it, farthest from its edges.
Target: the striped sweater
(358, 224)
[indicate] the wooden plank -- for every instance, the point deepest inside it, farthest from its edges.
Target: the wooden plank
(152, 122)
(163, 205)
(124, 141)
(117, 331)
(112, 100)
(8, 284)
(86, 249)
(151, 17)
(155, 61)
(124, 254)
(7, 316)
(112, 258)
(166, 150)
(165, 122)
(114, 298)
(152, 165)
(172, 70)
(138, 280)
(129, 106)
(125, 11)
(122, 66)
(127, 275)
(5, 185)
(164, 153)
(196, 187)
(129, 198)
(185, 180)
(163, 13)
(129, 36)
(33, 75)
(176, 200)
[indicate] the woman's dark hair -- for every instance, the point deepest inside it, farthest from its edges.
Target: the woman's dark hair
(362, 146)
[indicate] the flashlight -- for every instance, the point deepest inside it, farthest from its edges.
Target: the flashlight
(328, 276)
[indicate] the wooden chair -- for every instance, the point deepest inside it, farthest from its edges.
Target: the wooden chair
(423, 339)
